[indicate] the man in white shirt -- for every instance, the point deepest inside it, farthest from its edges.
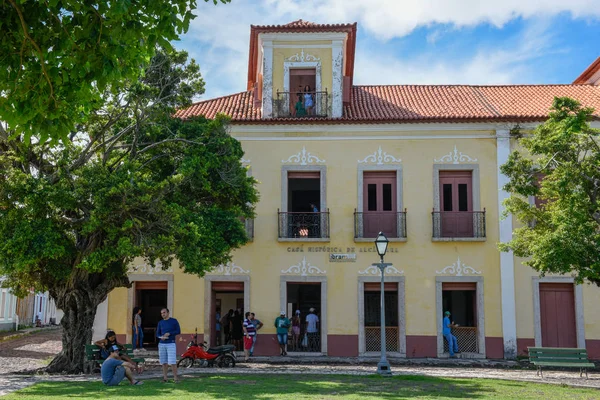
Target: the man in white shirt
(312, 330)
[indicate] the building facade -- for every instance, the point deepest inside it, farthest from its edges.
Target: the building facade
(336, 164)
(8, 306)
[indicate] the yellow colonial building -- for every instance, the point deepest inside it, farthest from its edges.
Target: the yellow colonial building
(336, 164)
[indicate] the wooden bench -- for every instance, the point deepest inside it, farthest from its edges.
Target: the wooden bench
(93, 360)
(559, 357)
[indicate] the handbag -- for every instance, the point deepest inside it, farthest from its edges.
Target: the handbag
(304, 341)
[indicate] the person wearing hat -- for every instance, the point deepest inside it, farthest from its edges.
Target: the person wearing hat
(296, 322)
(450, 338)
(114, 369)
(282, 323)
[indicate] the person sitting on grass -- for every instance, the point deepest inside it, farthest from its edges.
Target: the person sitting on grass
(106, 345)
(114, 369)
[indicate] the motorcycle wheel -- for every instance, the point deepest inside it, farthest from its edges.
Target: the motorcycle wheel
(227, 361)
(186, 362)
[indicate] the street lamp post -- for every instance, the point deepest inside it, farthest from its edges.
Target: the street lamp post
(381, 243)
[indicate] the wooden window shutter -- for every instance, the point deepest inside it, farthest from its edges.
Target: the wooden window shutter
(376, 286)
(459, 286)
(304, 175)
(346, 89)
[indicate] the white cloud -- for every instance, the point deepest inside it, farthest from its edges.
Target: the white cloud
(219, 37)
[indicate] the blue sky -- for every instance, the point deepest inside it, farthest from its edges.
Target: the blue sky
(413, 42)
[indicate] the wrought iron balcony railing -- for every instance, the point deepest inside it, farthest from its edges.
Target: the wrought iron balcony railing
(303, 225)
(369, 224)
(294, 105)
(458, 224)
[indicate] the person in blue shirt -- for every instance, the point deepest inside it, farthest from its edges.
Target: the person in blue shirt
(166, 331)
(450, 338)
(114, 369)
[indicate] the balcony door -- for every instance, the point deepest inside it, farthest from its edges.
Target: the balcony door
(379, 204)
(456, 203)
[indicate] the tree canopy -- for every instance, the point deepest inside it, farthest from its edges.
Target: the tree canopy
(560, 166)
(58, 57)
(131, 182)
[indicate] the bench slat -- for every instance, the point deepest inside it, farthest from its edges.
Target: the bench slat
(559, 364)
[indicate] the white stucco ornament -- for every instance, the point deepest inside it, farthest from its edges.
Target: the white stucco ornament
(229, 269)
(304, 268)
(458, 269)
(380, 157)
(244, 161)
(455, 157)
(146, 268)
(302, 57)
(373, 270)
(303, 158)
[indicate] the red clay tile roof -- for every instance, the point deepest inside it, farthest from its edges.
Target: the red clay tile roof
(586, 75)
(418, 103)
(296, 26)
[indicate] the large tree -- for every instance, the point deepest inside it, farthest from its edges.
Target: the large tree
(560, 166)
(57, 57)
(131, 182)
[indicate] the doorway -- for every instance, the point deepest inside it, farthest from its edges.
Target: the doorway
(379, 203)
(460, 298)
(304, 299)
(228, 302)
(557, 315)
(372, 317)
(151, 297)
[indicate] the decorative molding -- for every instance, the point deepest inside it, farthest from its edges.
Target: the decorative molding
(380, 157)
(229, 269)
(301, 57)
(458, 269)
(373, 270)
(244, 161)
(455, 157)
(304, 268)
(303, 158)
(146, 268)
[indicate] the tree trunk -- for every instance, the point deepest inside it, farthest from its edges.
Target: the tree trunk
(77, 323)
(79, 298)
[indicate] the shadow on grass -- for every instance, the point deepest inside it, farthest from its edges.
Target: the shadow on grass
(262, 387)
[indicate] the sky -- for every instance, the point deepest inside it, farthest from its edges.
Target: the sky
(481, 42)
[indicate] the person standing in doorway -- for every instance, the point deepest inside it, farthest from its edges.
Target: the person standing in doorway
(237, 331)
(226, 324)
(450, 338)
(166, 331)
(249, 335)
(283, 325)
(257, 325)
(312, 330)
(218, 326)
(296, 323)
(138, 332)
(309, 101)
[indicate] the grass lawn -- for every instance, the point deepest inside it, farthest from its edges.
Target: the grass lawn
(298, 387)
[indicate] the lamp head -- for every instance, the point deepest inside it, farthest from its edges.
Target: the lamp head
(381, 243)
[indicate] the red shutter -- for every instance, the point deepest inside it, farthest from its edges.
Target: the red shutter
(151, 285)
(304, 175)
(228, 286)
(459, 286)
(346, 89)
(376, 286)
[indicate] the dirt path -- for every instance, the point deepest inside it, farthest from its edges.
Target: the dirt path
(29, 352)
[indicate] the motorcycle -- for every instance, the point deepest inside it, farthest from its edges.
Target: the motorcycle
(221, 356)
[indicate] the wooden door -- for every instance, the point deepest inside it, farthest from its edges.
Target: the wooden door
(456, 204)
(379, 204)
(557, 314)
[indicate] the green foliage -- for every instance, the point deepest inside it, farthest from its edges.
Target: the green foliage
(134, 182)
(562, 169)
(58, 58)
